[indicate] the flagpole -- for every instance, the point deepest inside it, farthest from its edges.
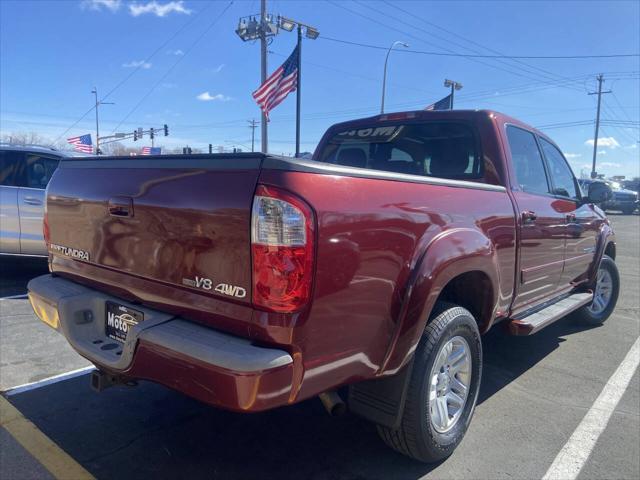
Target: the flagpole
(299, 83)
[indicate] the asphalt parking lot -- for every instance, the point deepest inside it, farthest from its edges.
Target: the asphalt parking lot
(535, 393)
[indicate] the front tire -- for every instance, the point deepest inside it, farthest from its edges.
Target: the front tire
(443, 387)
(605, 295)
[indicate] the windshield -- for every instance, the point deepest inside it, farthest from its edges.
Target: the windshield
(434, 149)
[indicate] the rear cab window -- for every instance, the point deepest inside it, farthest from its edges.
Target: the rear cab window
(432, 149)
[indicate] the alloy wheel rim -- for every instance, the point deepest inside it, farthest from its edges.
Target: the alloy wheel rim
(450, 381)
(603, 292)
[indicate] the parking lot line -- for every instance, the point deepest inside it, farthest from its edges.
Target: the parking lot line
(569, 462)
(41, 447)
(47, 381)
(15, 297)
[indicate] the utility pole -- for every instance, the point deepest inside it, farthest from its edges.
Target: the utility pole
(454, 86)
(95, 93)
(252, 125)
(263, 71)
(600, 79)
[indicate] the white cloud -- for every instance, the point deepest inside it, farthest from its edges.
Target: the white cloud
(633, 146)
(177, 52)
(137, 63)
(610, 164)
(602, 152)
(158, 9)
(113, 5)
(606, 142)
(207, 97)
(572, 155)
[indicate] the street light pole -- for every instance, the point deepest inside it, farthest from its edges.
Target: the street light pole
(454, 86)
(98, 103)
(384, 75)
(263, 71)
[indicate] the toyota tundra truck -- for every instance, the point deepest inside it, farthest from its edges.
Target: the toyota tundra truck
(252, 281)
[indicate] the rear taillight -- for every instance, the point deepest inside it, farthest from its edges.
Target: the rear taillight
(282, 244)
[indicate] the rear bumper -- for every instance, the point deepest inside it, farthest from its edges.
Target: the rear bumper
(214, 367)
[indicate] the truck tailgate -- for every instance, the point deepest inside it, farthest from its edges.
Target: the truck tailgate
(184, 222)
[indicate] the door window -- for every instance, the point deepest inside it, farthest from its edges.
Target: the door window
(9, 162)
(561, 175)
(527, 161)
(38, 170)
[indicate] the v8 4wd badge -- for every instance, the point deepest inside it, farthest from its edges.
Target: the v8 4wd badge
(223, 288)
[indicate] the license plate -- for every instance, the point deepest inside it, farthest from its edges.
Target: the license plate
(119, 319)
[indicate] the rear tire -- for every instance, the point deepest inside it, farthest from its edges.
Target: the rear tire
(433, 424)
(605, 295)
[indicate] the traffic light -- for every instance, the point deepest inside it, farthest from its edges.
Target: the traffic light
(151, 132)
(166, 129)
(135, 136)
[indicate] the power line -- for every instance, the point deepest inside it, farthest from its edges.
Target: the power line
(525, 71)
(469, 55)
(175, 64)
(531, 68)
(137, 69)
(404, 33)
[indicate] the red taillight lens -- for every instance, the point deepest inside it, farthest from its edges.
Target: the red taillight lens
(282, 239)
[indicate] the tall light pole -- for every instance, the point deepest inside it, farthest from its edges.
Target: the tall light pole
(259, 27)
(384, 75)
(98, 103)
(263, 72)
(454, 86)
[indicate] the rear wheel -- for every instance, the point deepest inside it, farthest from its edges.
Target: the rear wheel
(443, 387)
(605, 294)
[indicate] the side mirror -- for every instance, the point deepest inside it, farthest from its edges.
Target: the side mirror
(599, 192)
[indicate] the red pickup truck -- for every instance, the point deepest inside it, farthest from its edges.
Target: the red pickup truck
(251, 281)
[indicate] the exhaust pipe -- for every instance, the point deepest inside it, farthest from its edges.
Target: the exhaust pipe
(333, 403)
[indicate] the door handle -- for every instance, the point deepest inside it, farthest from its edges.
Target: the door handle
(528, 217)
(32, 201)
(120, 207)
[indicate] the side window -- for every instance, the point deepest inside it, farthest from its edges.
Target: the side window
(527, 161)
(9, 162)
(561, 175)
(39, 170)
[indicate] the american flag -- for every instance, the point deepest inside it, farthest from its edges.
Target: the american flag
(281, 82)
(443, 104)
(81, 143)
(151, 150)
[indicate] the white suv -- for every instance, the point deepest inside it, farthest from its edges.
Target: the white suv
(24, 174)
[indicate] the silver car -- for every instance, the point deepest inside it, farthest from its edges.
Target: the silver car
(24, 174)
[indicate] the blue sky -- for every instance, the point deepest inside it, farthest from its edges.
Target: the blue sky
(54, 52)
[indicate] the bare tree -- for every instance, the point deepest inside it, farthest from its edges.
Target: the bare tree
(32, 138)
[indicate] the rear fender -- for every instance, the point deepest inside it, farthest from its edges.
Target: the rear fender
(445, 257)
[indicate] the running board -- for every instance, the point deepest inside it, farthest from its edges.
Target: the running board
(536, 321)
